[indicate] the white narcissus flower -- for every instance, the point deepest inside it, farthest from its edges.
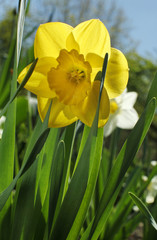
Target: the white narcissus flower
(1, 132)
(122, 113)
(2, 120)
(153, 163)
(152, 190)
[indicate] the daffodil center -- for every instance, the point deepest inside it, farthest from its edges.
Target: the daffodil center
(76, 76)
(113, 106)
(71, 79)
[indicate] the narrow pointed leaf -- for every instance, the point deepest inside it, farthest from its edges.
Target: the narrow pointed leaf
(143, 209)
(26, 78)
(78, 184)
(120, 167)
(40, 135)
(153, 89)
(20, 26)
(56, 180)
(7, 144)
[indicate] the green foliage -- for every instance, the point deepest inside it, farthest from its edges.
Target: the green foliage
(142, 72)
(6, 29)
(141, 75)
(143, 209)
(66, 184)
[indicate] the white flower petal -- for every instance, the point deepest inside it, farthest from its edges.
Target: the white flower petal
(2, 120)
(110, 125)
(153, 163)
(127, 119)
(144, 178)
(149, 199)
(1, 132)
(154, 179)
(129, 100)
(135, 208)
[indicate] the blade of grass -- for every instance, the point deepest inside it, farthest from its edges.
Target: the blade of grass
(37, 148)
(40, 134)
(124, 212)
(32, 189)
(56, 180)
(44, 166)
(25, 209)
(26, 78)
(75, 193)
(120, 214)
(126, 230)
(143, 209)
(20, 26)
(7, 65)
(149, 230)
(7, 144)
(69, 143)
(95, 160)
(153, 90)
(120, 167)
(68, 139)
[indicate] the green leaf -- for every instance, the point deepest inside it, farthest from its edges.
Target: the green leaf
(143, 209)
(130, 226)
(7, 147)
(68, 139)
(36, 143)
(22, 110)
(7, 144)
(44, 165)
(79, 181)
(149, 230)
(120, 167)
(26, 212)
(123, 207)
(20, 27)
(56, 180)
(95, 160)
(26, 78)
(74, 195)
(153, 90)
(6, 69)
(28, 219)
(37, 148)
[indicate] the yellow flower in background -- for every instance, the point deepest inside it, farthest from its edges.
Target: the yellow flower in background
(66, 72)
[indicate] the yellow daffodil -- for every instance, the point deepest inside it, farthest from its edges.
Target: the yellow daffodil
(69, 60)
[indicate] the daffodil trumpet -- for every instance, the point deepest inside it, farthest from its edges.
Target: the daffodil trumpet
(69, 60)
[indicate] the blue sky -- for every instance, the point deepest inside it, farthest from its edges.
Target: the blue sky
(142, 16)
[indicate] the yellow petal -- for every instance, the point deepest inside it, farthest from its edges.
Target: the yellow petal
(96, 63)
(95, 60)
(38, 83)
(92, 37)
(85, 111)
(117, 74)
(50, 39)
(60, 114)
(71, 43)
